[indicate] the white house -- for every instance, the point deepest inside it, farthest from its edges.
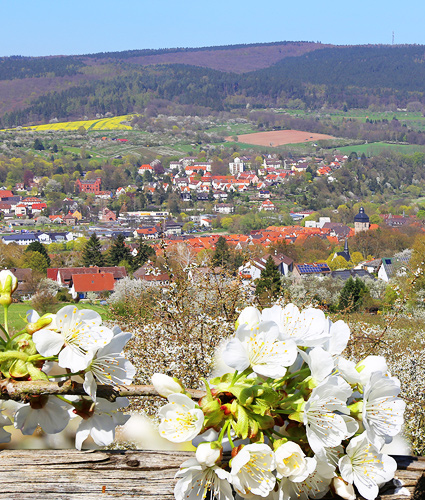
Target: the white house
(236, 166)
(252, 270)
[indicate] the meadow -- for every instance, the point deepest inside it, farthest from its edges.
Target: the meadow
(375, 148)
(18, 311)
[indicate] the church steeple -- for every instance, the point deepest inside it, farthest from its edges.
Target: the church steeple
(361, 221)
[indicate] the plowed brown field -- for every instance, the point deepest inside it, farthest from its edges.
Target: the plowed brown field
(280, 137)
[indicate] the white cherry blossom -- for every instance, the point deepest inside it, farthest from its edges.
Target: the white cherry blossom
(326, 428)
(252, 470)
(79, 334)
(259, 348)
(99, 419)
(339, 336)
(343, 489)
(361, 372)
(250, 316)
(382, 409)
(197, 480)
(307, 328)
(4, 421)
(181, 419)
(369, 365)
(315, 485)
(320, 362)
(364, 466)
(48, 412)
(291, 462)
(109, 366)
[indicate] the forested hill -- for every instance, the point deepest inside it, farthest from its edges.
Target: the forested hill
(401, 68)
(39, 89)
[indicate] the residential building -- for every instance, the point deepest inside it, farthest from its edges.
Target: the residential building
(94, 282)
(89, 186)
(252, 270)
(63, 275)
(107, 215)
(394, 266)
(267, 206)
(311, 269)
(224, 208)
(236, 166)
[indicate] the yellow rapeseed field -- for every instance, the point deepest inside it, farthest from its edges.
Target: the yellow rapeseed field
(98, 124)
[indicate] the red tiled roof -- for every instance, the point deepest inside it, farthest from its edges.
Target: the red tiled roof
(147, 230)
(66, 273)
(96, 282)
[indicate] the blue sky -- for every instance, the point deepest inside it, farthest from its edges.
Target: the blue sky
(52, 27)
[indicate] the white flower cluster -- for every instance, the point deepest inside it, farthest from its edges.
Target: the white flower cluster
(403, 349)
(299, 418)
(71, 343)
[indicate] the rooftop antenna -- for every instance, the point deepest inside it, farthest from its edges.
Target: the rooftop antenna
(393, 39)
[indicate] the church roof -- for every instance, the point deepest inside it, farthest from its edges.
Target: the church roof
(361, 216)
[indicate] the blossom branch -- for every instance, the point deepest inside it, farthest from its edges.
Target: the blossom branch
(19, 390)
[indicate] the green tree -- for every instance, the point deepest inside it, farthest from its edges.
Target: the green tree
(337, 262)
(221, 256)
(119, 252)
(34, 261)
(147, 176)
(38, 145)
(173, 203)
(352, 295)
(269, 284)
(144, 253)
(36, 246)
(92, 256)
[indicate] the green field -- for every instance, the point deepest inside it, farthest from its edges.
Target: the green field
(378, 147)
(18, 311)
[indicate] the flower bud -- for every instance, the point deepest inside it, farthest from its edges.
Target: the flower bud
(207, 454)
(343, 489)
(166, 385)
(42, 322)
(8, 284)
(212, 410)
(236, 450)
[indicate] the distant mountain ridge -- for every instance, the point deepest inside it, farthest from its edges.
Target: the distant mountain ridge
(34, 90)
(229, 58)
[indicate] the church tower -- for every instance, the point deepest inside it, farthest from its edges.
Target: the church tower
(361, 221)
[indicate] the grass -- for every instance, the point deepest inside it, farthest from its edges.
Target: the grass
(18, 311)
(378, 147)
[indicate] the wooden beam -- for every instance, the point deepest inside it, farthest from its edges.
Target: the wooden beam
(147, 475)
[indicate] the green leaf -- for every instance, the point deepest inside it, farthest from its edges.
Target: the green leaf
(36, 373)
(267, 395)
(224, 379)
(241, 426)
